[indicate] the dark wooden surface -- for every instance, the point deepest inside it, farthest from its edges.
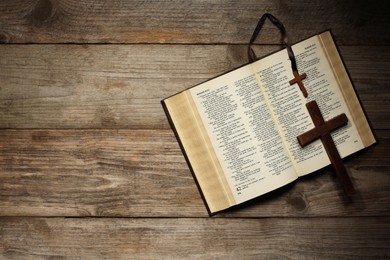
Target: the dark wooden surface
(89, 167)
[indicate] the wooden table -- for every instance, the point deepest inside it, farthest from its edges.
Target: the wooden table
(89, 167)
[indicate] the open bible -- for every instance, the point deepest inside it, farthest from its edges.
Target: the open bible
(239, 130)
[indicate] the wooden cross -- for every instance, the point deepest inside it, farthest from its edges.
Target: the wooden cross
(298, 79)
(322, 130)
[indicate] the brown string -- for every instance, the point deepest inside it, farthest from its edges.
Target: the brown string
(251, 54)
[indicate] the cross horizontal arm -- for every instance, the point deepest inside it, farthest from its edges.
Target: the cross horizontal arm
(322, 129)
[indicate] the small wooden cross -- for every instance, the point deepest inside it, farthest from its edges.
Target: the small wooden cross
(298, 79)
(322, 130)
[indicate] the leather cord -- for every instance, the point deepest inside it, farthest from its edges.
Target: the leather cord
(251, 54)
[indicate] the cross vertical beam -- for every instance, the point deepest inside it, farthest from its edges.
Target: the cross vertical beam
(322, 130)
(298, 79)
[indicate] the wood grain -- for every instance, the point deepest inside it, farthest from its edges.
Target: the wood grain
(90, 169)
(293, 238)
(142, 173)
(99, 21)
(120, 86)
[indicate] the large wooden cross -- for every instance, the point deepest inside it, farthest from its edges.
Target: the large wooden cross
(322, 130)
(298, 79)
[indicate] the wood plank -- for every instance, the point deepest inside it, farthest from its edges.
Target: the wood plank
(296, 238)
(99, 21)
(142, 173)
(120, 86)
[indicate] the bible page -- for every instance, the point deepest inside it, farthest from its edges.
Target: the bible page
(243, 133)
(287, 103)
